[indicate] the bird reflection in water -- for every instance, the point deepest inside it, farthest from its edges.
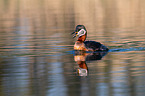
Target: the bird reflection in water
(81, 57)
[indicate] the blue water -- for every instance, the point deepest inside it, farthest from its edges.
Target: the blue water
(29, 67)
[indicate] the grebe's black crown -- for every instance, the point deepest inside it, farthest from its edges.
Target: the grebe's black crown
(79, 27)
(80, 31)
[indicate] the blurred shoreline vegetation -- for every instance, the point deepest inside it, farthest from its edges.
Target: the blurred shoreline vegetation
(97, 15)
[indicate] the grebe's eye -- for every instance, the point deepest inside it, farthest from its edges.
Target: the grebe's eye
(81, 31)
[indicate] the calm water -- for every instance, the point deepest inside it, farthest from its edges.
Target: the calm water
(37, 56)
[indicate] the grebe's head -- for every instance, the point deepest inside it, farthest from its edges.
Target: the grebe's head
(80, 31)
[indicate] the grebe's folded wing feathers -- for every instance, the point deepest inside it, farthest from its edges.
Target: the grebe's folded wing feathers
(96, 46)
(92, 44)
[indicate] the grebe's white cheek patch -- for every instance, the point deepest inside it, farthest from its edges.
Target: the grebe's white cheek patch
(81, 32)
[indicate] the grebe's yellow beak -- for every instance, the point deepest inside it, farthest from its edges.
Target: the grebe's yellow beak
(76, 34)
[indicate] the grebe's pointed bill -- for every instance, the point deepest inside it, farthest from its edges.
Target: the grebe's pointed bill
(76, 34)
(72, 32)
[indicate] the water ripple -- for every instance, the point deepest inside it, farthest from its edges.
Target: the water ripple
(127, 49)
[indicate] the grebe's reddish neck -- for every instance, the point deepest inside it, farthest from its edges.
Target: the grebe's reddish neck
(82, 64)
(82, 38)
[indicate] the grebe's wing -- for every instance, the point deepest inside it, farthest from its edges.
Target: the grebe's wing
(96, 46)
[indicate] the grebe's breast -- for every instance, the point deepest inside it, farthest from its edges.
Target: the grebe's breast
(79, 46)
